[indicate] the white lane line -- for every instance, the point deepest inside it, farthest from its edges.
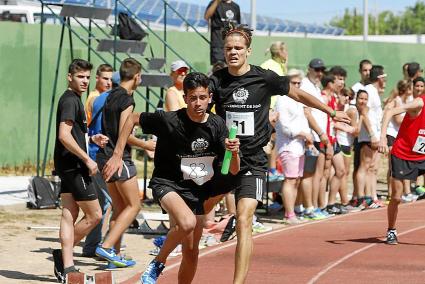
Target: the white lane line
(341, 260)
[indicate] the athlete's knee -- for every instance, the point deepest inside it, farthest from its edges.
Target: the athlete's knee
(395, 200)
(244, 221)
(93, 218)
(188, 224)
(340, 173)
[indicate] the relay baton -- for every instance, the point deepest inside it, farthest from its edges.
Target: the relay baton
(228, 154)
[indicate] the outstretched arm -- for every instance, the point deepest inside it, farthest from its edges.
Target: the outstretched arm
(311, 101)
(413, 106)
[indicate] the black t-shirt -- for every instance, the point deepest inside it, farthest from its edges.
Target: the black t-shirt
(187, 153)
(117, 101)
(70, 108)
(245, 101)
(225, 12)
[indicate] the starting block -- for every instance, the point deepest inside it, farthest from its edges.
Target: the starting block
(82, 278)
(146, 229)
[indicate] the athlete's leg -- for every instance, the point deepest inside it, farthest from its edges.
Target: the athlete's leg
(129, 192)
(338, 164)
(245, 212)
(343, 187)
(397, 191)
(289, 194)
(66, 233)
(182, 223)
(317, 177)
(190, 252)
(362, 172)
(92, 216)
(118, 206)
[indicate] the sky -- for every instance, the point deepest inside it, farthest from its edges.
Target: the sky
(315, 11)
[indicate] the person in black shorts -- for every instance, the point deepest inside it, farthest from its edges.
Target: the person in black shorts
(75, 168)
(241, 94)
(190, 146)
(123, 187)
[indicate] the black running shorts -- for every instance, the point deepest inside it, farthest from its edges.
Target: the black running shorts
(79, 184)
(193, 197)
(250, 185)
(390, 141)
(403, 169)
(128, 170)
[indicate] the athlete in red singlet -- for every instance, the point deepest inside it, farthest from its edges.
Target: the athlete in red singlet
(407, 155)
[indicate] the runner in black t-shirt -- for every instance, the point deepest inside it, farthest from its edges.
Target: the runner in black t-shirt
(241, 94)
(191, 143)
(75, 168)
(220, 13)
(123, 187)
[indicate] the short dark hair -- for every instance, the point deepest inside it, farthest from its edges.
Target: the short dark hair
(363, 62)
(243, 30)
(104, 68)
(338, 71)
(194, 80)
(78, 65)
(418, 79)
(413, 68)
(375, 73)
(327, 78)
(361, 91)
(129, 68)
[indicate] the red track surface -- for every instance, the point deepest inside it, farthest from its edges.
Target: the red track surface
(343, 249)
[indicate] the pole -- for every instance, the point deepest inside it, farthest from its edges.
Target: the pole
(40, 78)
(365, 20)
(165, 29)
(253, 15)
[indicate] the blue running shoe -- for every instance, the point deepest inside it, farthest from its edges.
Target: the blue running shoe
(110, 255)
(152, 272)
(128, 262)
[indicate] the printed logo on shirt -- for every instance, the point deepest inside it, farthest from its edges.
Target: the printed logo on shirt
(240, 95)
(230, 15)
(421, 132)
(199, 145)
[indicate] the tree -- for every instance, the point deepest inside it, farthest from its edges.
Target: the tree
(411, 21)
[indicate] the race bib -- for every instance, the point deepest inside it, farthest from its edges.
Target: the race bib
(419, 145)
(243, 120)
(200, 169)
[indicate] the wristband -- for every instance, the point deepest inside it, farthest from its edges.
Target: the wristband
(333, 114)
(91, 140)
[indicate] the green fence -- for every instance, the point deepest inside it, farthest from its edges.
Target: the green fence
(19, 53)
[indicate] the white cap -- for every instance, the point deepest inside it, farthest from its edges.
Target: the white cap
(176, 65)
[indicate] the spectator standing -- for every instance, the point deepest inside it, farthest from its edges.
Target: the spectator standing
(220, 13)
(174, 97)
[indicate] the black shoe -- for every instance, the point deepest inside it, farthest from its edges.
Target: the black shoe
(333, 209)
(58, 265)
(391, 237)
(229, 230)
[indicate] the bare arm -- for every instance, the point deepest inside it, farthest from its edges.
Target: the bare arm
(65, 137)
(211, 10)
(233, 145)
(413, 106)
(311, 101)
(114, 163)
(313, 125)
(171, 101)
(132, 140)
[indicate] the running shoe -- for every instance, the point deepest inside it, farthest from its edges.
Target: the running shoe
(110, 255)
(152, 272)
(332, 209)
(313, 216)
(258, 227)
(420, 190)
(58, 265)
(293, 221)
(325, 213)
(342, 208)
(391, 237)
(229, 229)
(129, 262)
(351, 208)
(405, 198)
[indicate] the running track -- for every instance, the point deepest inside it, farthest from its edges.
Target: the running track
(342, 249)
